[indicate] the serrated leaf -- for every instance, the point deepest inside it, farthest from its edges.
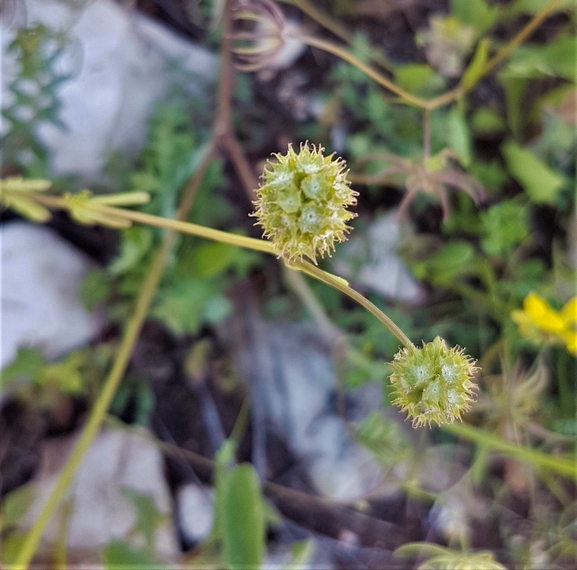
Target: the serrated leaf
(136, 242)
(540, 182)
(504, 227)
(243, 519)
(182, 305)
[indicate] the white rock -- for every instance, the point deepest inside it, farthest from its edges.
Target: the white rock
(382, 270)
(41, 274)
(195, 511)
(294, 381)
(100, 512)
(123, 60)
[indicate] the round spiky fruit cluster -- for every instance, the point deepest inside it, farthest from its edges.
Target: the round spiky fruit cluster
(302, 204)
(433, 383)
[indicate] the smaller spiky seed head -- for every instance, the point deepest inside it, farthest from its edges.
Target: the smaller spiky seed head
(432, 383)
(302, 204)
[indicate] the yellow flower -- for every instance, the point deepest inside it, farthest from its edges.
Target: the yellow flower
(542, 324)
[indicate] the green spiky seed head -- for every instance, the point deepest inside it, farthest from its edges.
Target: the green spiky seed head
(302, 203)
(432, 383)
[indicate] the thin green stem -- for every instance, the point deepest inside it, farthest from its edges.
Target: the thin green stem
(175, 225)
(342, 286)
(337, 29)
(521, 36)
(379, 78)
(100, 409)
(561, 465)
(451, 95)
(248, 243)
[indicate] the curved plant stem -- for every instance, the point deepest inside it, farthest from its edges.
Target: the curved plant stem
(248, 243)
(99, 410)
(451, 95)
(337, 29)
(342, 286)
(110, 386)
(375, 75)
(560, 465)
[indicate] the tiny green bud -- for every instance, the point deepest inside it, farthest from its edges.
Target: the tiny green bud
(432, 383)
(302, 204)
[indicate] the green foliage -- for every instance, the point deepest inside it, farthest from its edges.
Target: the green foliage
(504, 228)
(243, 520)
(170, 156)
(384, 439)
(120, 556)
(451, 260)
(147, 515)
(30, 367)
(14, 506)
(39, 54)
(513, 132)
(193, 291)
(480, 14)
(540, 182)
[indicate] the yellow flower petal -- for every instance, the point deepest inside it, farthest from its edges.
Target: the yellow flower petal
(569, 337)
(546, 318)
(569, 311)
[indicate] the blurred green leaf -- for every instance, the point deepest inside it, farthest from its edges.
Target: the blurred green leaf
(147, 515)
(26, 366)
(383, 438)
(65, 374)
(490, 174)
(95, 288)
(120, 556)
(182, 305)
(484, 121)
(532, 7)
(474, 70)
(477, 13)
(557, 58)
(451, 260)
(15, 504)
(419, 78)
(243, 520)
(540, 182)
(209, 259)
(504, 227)
(459, 136)
(11, 547)
(514, 93)
(136, 242)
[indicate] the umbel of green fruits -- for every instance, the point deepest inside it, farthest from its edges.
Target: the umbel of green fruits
(303, 207)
